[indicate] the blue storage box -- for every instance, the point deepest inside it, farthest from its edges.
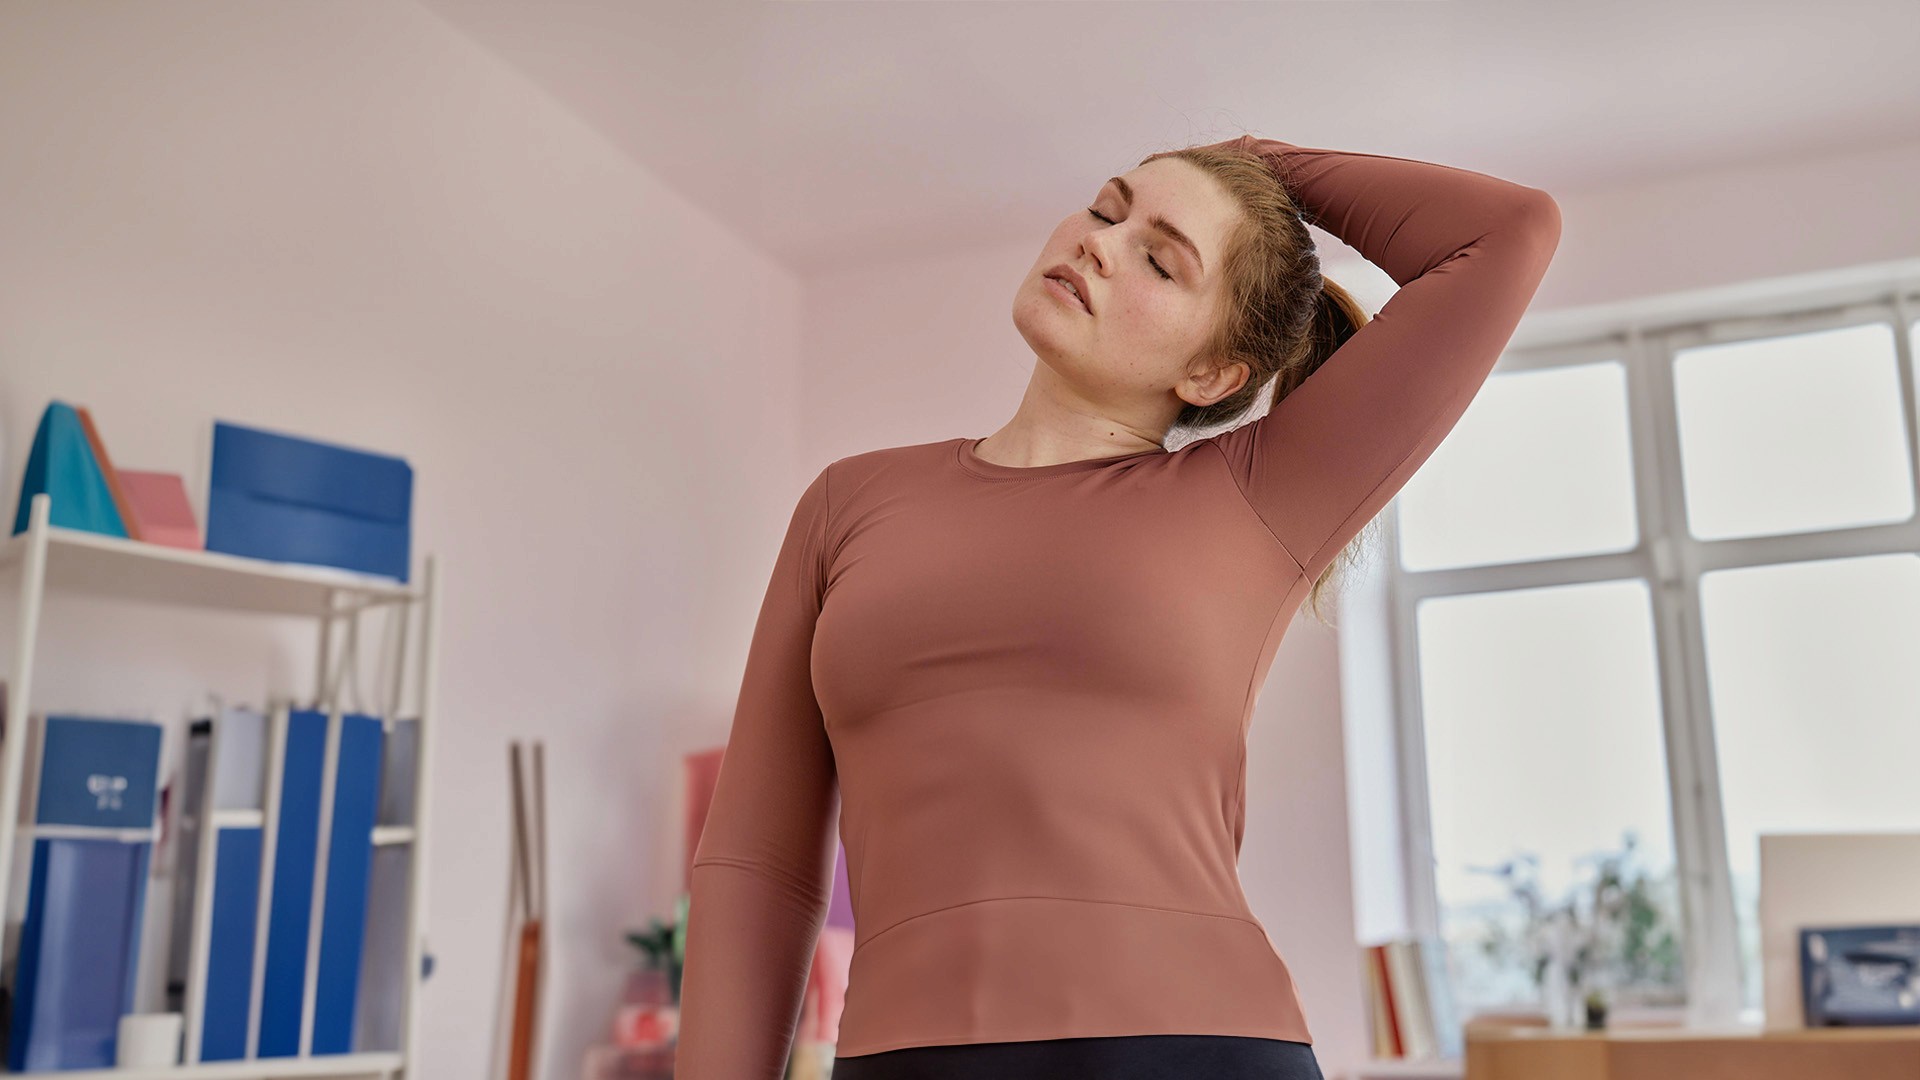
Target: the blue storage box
(273, 496)
(102, 774)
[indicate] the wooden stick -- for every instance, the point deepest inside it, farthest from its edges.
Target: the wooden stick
(526, 967)
(520, 1061)
(540, 828)
(523, 867)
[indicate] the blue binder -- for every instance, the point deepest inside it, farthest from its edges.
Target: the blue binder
(61, 464)
(288, 499)
(343, 913)
(236, 896)
(290, 912)
(80, 942)
(356, 801)
(78, 950)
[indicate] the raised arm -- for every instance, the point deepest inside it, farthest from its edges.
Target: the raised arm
(763, 871)
(1468, 251)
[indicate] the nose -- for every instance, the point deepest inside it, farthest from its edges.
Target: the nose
(1094, 243)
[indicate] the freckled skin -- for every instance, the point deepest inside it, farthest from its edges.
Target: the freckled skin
(1126, 362)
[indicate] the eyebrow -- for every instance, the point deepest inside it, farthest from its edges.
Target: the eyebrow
(1162, 225)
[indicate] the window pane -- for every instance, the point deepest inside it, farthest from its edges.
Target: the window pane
(1815, 701)
(1538, 467)
(1792, 434)
(1543, 728)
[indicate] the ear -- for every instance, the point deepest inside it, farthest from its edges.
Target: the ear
(1213, 383)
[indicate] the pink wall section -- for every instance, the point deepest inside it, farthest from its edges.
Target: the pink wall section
(347, 221)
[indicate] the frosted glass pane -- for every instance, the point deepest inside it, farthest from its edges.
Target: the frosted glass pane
(1538, 467)
(1793, 434)
(1816, 707)
(1543, 730)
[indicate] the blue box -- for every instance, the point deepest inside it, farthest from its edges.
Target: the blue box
(287, 499)
(98, 773)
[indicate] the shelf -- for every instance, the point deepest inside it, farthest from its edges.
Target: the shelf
(132, 569)
(339, 1066)
(50, 560)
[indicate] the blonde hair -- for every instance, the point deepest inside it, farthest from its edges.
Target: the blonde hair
(1280, 317)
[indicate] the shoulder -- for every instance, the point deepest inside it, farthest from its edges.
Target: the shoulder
(874, 475)
(892, 463)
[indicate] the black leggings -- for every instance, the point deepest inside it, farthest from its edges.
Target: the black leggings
(1118, 1057)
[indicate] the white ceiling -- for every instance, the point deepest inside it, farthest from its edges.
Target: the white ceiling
(835, 134)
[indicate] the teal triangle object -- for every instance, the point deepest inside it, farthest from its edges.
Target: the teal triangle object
(61, 464)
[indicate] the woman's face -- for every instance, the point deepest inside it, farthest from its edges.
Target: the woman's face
(1150, 301)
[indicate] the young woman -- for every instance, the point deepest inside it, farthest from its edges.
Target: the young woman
(1017, 671)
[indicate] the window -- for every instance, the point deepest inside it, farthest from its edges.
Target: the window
(1659, 594)
(1815, 702)
(1542, 713)
(1538, 467)
(1794, 433)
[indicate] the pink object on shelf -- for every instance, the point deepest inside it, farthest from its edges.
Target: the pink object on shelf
(159, 502)
(647, 1017)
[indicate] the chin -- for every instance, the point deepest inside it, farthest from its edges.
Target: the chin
(1041, 320)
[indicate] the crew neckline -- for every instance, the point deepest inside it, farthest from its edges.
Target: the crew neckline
(979, 466)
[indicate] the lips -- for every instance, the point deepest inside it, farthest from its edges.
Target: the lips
(1063, 272)
(1059, 289)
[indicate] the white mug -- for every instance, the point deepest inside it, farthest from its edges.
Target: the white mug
(148, 1039)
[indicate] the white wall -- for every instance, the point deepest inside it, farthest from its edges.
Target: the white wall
(345, 220)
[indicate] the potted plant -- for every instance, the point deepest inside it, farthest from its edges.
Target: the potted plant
(648, 1018)
(1596, 1010)
(1611, 931)
(663, 947)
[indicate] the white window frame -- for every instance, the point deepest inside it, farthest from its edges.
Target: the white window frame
(1645, 338)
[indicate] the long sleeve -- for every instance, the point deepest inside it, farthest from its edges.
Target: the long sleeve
(763, 869)
(1468, 251)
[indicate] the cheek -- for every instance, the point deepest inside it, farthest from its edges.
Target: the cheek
(1155, 313)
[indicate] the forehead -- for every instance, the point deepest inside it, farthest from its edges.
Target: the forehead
(1186, 195)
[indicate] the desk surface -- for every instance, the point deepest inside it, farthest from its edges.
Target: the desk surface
(1889, 1033)
(1661, 1053)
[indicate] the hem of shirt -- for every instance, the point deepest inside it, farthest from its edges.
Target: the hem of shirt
(1016, 968)
(962, 1039)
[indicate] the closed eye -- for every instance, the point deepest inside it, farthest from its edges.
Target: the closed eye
(1150, 261)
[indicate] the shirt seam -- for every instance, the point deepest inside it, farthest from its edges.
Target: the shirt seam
(766, 873)
(1355, 512)
(1068, 899)
(966, 1038)
(826, 489)
(824, 570)
(1245, 498)
(960, 459)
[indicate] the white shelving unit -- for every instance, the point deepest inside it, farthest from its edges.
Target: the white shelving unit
(56, 560)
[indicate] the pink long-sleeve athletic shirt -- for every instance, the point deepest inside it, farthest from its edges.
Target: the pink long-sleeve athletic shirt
(1025, 692)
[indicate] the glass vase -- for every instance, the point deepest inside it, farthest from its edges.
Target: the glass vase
(1561, 999)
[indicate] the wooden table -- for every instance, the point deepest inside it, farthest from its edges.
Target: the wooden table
(1536, 1053)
